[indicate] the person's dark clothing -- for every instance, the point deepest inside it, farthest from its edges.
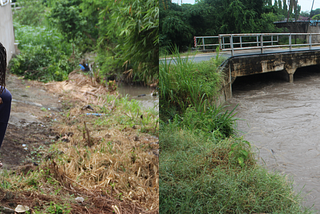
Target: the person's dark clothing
(5, 109)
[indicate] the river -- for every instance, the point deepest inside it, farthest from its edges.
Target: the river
(140, 93)
(282, 121)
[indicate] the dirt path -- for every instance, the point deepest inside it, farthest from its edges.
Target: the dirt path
(28, 132)
(38, 109)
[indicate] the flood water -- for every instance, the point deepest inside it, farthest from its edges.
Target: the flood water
(140, 93)
(282, 121)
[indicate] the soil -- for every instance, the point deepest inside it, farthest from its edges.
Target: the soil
(36, 108)
(28, 133)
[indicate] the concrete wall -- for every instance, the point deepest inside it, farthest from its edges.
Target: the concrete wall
(6, 30)
(300, 27)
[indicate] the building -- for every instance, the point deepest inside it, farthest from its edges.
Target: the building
(6, 28)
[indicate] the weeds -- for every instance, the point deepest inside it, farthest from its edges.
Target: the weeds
(44, 54)
(198, 175)
(184, 83)
(109, 159)
(204, 168)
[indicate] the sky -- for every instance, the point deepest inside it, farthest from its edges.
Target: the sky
(305, 4)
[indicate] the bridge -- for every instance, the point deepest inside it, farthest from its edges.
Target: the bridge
(261, 53)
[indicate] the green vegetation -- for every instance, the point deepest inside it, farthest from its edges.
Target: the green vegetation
(204, 166)
(45, 55)
(110, 160)
(181, 86)
(121, 37)
(316, 17)
(179, 23)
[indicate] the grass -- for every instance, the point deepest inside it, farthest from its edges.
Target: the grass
(204, 166)
(201, 175)
(109, 159)
(184, 83)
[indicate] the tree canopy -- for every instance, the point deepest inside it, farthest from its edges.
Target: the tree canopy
(179, 23)
(122, 35)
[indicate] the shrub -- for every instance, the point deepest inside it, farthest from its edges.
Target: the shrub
(184, 83)
(45, 55)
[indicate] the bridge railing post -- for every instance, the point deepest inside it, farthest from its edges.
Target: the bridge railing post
(310, 42)
(231, 45)
(257, 41)
(204, 48)
(261, 41)
(223, 46)
(290, 45)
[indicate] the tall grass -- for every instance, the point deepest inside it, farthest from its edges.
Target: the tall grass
(204, 167)
(184, 83)
(201, 175)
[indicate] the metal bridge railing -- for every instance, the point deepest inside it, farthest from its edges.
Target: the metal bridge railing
(14, 6)
(262, 41)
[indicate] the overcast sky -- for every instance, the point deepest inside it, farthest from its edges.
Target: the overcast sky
(305, 4)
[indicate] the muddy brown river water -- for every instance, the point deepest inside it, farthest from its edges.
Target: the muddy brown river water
(140, 93)
(282, 121)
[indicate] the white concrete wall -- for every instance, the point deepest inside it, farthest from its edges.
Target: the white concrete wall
(314, 29)
(6, 30)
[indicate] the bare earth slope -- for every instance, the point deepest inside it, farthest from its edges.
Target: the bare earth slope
(29, 130)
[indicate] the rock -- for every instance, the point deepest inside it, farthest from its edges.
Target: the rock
(21, 209)
(79, 199)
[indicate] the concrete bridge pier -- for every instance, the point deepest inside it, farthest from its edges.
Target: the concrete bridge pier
(290, 72)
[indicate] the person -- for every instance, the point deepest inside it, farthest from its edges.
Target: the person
(5, 96)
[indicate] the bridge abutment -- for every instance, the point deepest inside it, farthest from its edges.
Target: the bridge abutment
(245, 65)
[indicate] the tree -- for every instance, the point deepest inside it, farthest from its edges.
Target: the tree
(32, 12)
(133, 25)
(305, 14)
(293, 7)
(315, 12)
(316, 17)
(280, 5)
(178, 24)
(66, 16)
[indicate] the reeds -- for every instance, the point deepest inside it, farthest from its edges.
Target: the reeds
(184, 83)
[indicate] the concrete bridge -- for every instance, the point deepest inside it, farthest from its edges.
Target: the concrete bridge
(247, 59)
(244, 65)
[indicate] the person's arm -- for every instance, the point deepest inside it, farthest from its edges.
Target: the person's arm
(1, 100)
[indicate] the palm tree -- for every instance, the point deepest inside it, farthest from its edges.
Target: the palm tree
(292, 6)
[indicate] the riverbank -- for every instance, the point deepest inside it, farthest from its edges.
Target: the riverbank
(281, 120)
(204, 166)
(99, 153)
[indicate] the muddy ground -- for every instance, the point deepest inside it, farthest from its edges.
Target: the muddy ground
(35, 111)
(28, 132)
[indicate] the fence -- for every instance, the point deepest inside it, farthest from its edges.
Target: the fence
(14, 6)
(233, 42)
